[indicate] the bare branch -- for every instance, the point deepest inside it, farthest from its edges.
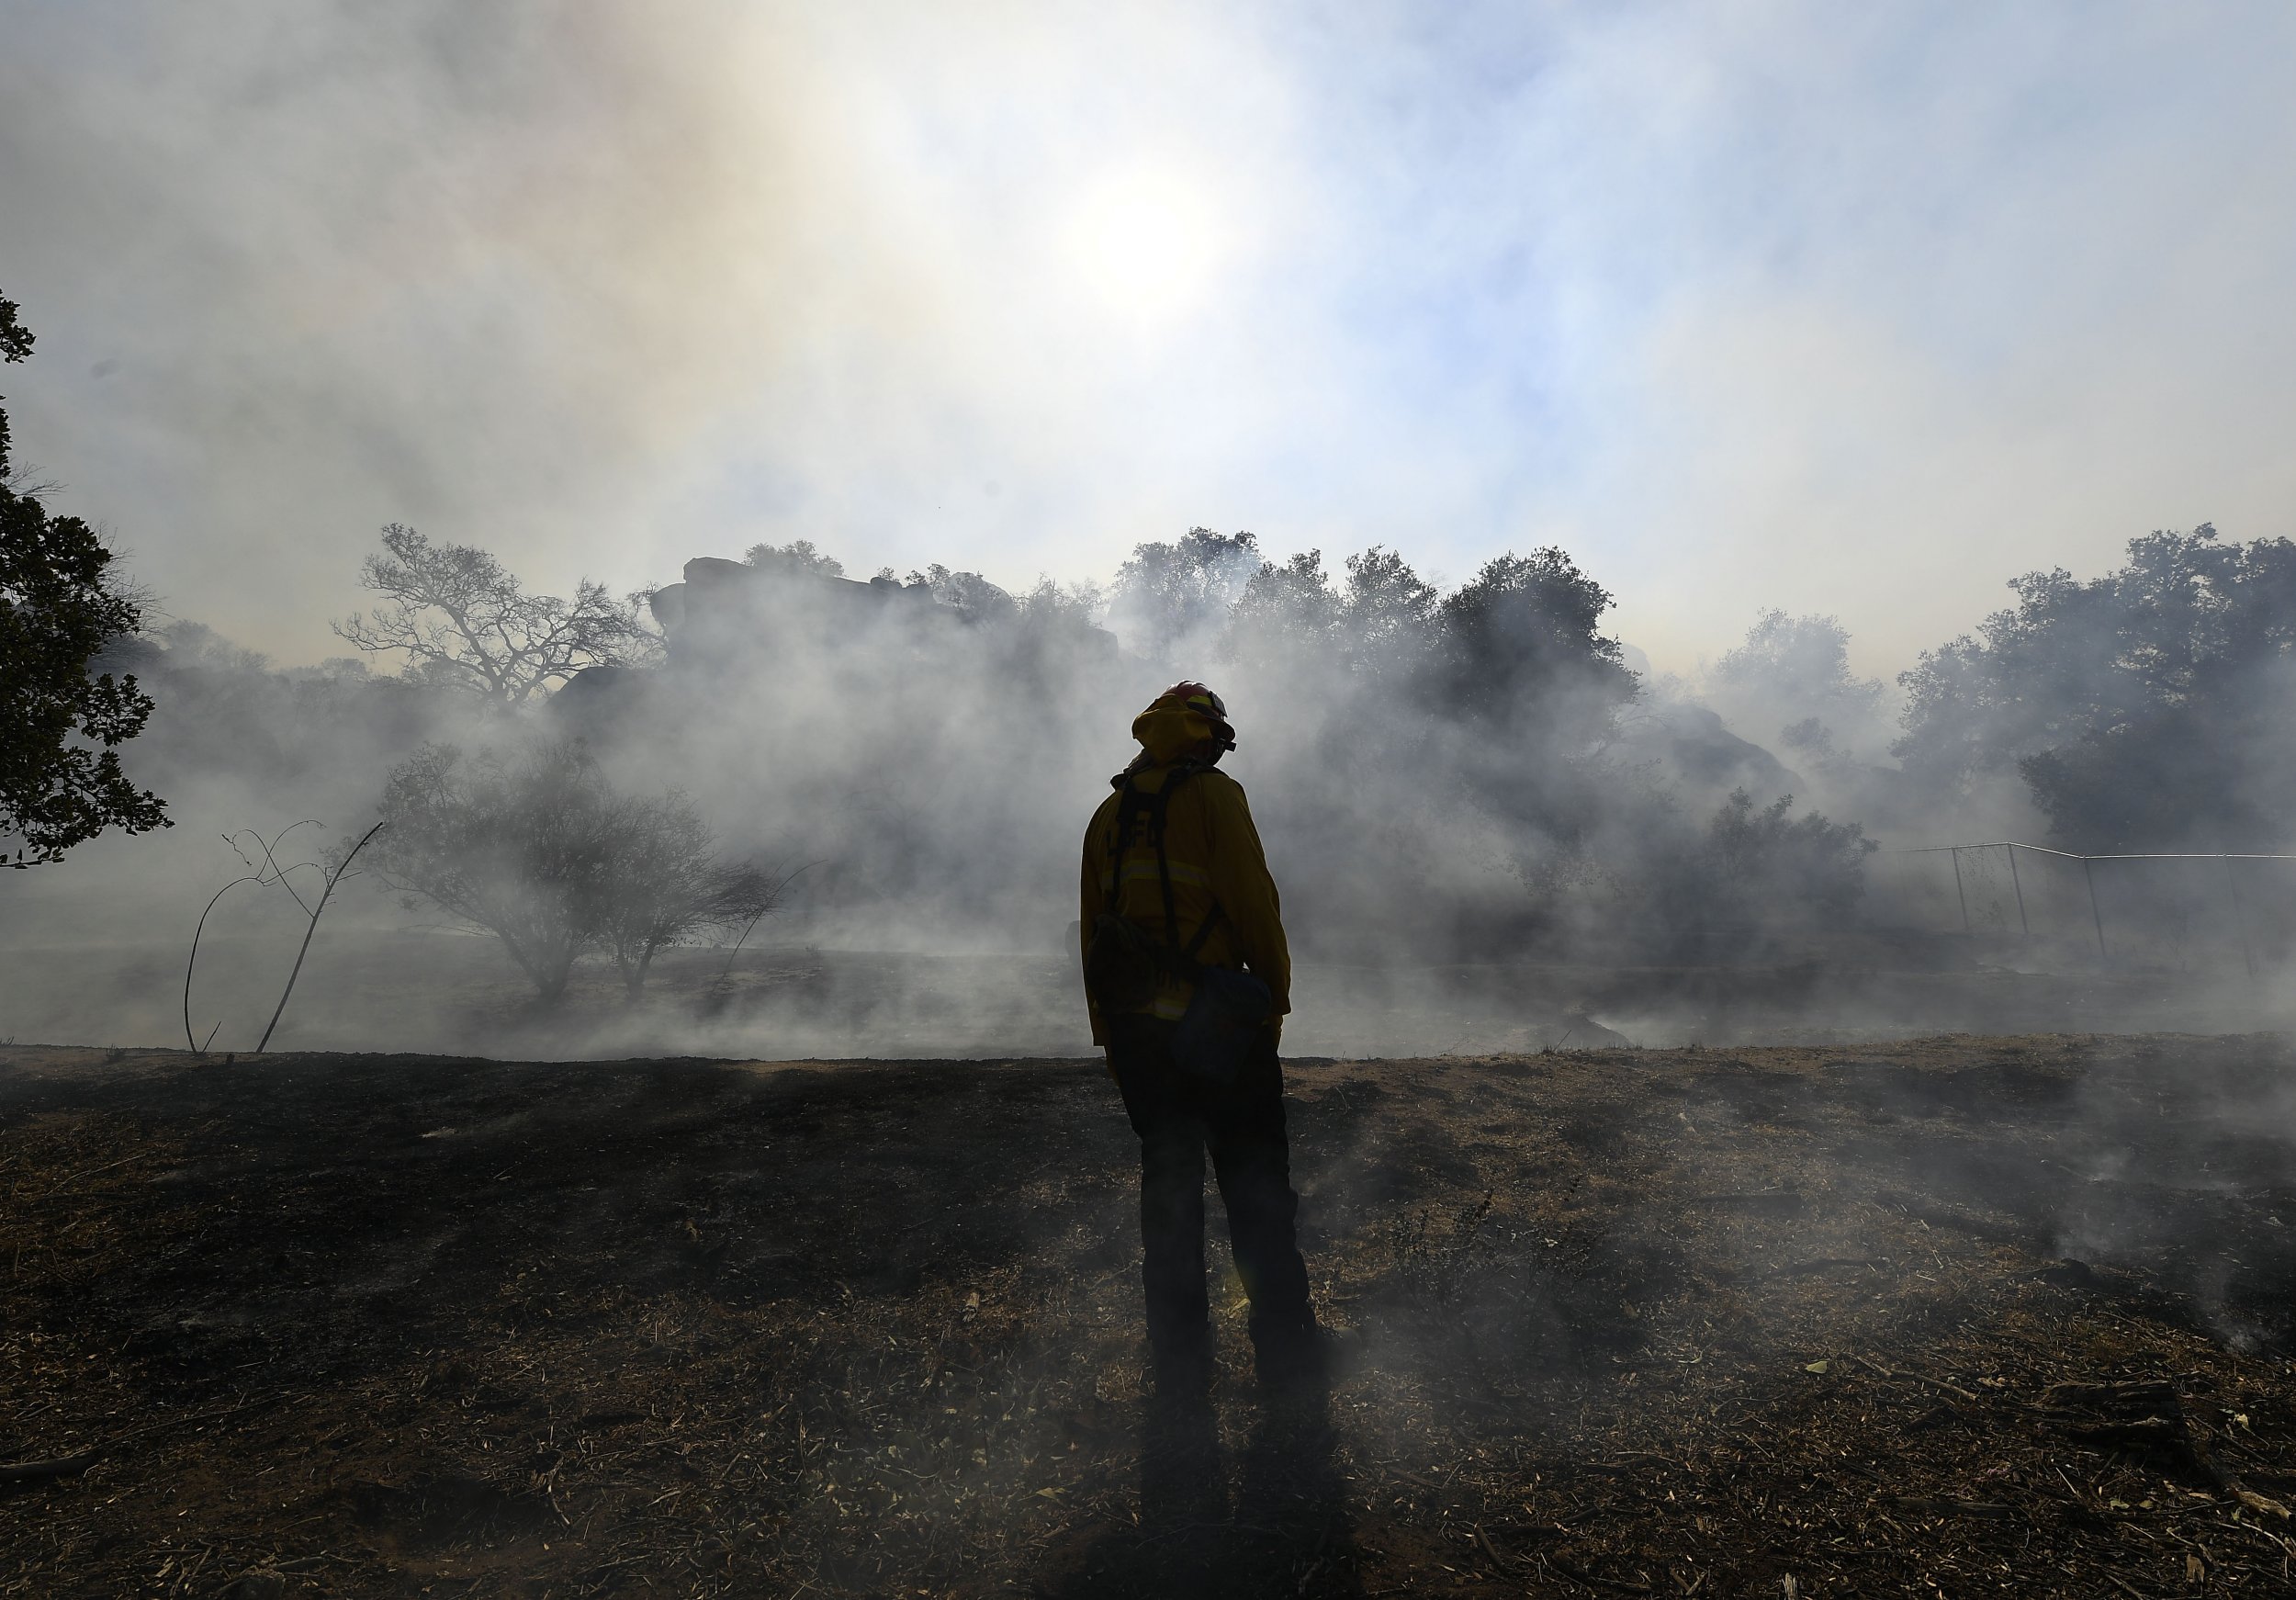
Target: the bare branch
(270, 860)
(335, 877)
(456, 614)
(192, 960)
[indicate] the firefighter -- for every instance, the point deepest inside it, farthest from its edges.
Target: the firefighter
(1179, 912)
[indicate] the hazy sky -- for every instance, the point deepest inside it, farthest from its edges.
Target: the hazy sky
(1860, 308)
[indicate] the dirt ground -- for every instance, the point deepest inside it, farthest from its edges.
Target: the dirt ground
(1951, 1317)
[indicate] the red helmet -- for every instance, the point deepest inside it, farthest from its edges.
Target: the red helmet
(1201, 699)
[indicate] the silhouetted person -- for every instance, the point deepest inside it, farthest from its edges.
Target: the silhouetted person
(1179, 919)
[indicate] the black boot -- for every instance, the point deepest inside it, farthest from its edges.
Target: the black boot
(1180, 1367)
(1292, 1358)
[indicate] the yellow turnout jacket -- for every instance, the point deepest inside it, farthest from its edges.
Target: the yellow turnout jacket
(1215, 857)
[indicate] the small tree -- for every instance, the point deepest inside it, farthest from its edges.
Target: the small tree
(518, 848)
(969, 595)
(1792, 673)
(1285, 613)
(664, 886)
(59, 609)
(1522, 644)
(1168, 594)
(1378, 623)
(1390, 612)
(1762, 864)
(461, 617)
(797, 556)
(539, 850)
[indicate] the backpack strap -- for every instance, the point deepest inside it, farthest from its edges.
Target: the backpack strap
(1131, 803)
(1212, 920)
(1164, 863)
(1153, 806)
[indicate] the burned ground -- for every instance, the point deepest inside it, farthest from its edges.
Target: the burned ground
(1952, 1316)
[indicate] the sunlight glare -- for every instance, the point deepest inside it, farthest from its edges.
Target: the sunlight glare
(1144, 243)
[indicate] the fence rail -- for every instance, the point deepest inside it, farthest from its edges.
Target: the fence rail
(2148, 907)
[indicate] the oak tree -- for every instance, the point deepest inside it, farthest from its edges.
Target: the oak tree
(461, 617)
(60, 782)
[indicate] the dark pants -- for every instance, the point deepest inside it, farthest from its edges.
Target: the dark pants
(1178, 1116)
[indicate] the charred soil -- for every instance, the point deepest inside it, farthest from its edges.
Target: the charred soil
(1958, 1315)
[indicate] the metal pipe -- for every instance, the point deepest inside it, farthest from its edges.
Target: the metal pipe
(2240, 921)
(2024, 928)
(2191, 855)
(2089, 873)
(1962, 893)
(2069, 854)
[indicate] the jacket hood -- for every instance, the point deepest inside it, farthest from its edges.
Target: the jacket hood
(1170, 728)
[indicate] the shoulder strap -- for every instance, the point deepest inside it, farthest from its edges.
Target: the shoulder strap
(1130, 802)
(1154, 807)
(1212, 920)
(1173, 780)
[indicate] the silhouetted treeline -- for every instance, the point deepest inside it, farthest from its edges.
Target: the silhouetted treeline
(1461, 768)
(229, 715)
(1442, 775)
(2148, 709)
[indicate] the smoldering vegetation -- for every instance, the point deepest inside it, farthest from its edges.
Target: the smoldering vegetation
(1492, 830)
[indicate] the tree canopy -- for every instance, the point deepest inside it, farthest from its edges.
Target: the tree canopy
(1523, 639)
(797, 556)
(461, 617)
(60, 607)
(2145, 709)
(1170, 592)
(516, 847)
(534, 847)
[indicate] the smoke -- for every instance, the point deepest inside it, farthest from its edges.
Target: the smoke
(1490, 834)
(1741, 311)
(1778, 307)
(561, 277)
